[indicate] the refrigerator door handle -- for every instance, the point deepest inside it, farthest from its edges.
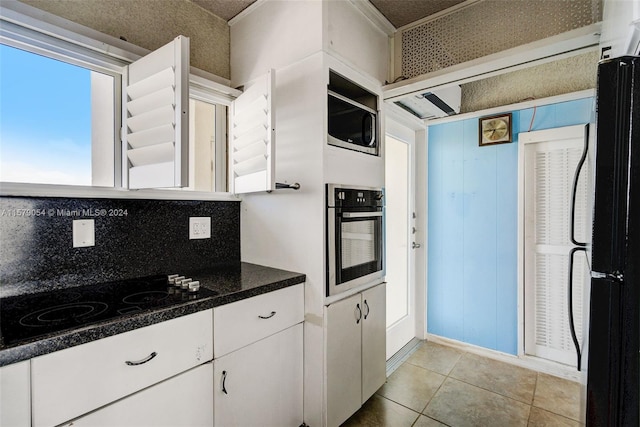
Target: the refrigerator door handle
(572, 325)
(574, 188)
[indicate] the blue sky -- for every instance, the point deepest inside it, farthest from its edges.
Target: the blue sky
(45, 119)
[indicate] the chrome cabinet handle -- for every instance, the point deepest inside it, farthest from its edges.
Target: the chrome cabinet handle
(140, 362)
(273, 313)
(224, 380)
(359, 317)
(368, 309)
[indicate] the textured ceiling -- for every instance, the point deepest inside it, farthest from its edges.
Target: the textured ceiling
(225, 9)
(403, 12)
(398, 12)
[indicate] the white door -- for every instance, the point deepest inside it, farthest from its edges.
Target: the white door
(261, 384)
(550, 161)
(343, 329)
(400, 226)
(374, 362)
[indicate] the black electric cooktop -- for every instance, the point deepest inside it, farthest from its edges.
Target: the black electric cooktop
(31, 316)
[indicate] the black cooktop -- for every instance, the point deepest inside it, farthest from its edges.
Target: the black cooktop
(31, 316)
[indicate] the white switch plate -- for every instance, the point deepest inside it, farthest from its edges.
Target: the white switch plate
(199, 227)
(84, 233)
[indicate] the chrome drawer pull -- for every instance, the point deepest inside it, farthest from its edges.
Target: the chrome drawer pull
(140, 362)
(273, 313)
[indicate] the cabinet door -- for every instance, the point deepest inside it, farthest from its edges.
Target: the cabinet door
(343, 325)
(185, 400)
(374, 333)
(15, 395)
(261, 384)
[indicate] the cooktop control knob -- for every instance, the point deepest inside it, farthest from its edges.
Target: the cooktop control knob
(184, 283)
(194, 286)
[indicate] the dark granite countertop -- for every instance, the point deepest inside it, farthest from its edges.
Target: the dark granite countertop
(232, 283)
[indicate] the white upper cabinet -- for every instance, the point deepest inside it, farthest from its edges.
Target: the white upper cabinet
(252, 137)
(156, 117)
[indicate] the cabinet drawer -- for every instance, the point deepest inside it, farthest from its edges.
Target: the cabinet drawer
(185, 400)
(241, 323)
(71, 382)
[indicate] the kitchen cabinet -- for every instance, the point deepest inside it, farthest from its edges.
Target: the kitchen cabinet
(184, 400)
(261, 384)
(258, 366)
(355, 334)
(15, 395)
(72, 382)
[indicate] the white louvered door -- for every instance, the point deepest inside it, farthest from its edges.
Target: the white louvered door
(156, 118)
(252, 137)
(550, 161)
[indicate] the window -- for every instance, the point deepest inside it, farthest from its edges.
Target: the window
(56, 121)
(61, 111)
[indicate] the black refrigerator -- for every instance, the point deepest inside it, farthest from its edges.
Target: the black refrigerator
(613, 375)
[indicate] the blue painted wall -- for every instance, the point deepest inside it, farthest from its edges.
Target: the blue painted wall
(473, 225)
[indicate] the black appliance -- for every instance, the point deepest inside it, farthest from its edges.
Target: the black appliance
(355, 239)
(27, 317)
(352, 116)
(613, 376)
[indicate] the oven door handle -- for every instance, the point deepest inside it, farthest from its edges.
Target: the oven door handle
(360, 214)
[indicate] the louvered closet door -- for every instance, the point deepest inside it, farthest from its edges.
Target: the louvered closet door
(550, 161)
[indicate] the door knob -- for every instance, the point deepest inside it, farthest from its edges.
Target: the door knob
(415, 245)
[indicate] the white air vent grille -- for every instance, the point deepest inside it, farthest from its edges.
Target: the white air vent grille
(488, 27)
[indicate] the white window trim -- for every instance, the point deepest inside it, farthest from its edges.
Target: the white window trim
(31, 29)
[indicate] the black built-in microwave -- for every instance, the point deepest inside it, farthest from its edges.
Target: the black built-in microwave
(352, 116)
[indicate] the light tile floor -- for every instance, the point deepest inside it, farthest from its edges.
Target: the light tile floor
(443, 386)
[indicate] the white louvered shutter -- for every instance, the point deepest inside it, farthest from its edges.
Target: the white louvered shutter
(549, 173)
(157, 117)
(252, 137)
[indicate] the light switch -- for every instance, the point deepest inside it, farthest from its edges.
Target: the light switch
(84, 233)
(200, 227)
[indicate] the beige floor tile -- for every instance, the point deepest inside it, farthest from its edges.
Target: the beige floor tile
(558, 395)
(378, 411)
(541, 418)
(435, 357)
(461, 405)
(500, 377)
(425, 421)
(411, 386)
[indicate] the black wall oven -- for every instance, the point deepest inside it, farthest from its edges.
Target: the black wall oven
(355, 239)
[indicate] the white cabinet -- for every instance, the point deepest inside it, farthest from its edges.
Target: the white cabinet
(15, 395)
(184, 400)
(72, 382)
(240, 323)
(355, 335)
(261, 384)
(258, 369)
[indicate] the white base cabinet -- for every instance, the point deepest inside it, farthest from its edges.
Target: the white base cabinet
(261, 384)
(355, 335)
(184, 400)
(15, 395)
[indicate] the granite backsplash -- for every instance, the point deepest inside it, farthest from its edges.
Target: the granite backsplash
(133, 238)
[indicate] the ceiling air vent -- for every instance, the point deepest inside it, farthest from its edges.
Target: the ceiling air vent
(432, 104)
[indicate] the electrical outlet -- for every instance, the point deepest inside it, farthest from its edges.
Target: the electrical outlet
(200, 227)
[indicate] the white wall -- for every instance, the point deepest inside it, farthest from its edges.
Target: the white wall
(273, 35)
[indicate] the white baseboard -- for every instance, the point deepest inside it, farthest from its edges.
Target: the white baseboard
(529, 362)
